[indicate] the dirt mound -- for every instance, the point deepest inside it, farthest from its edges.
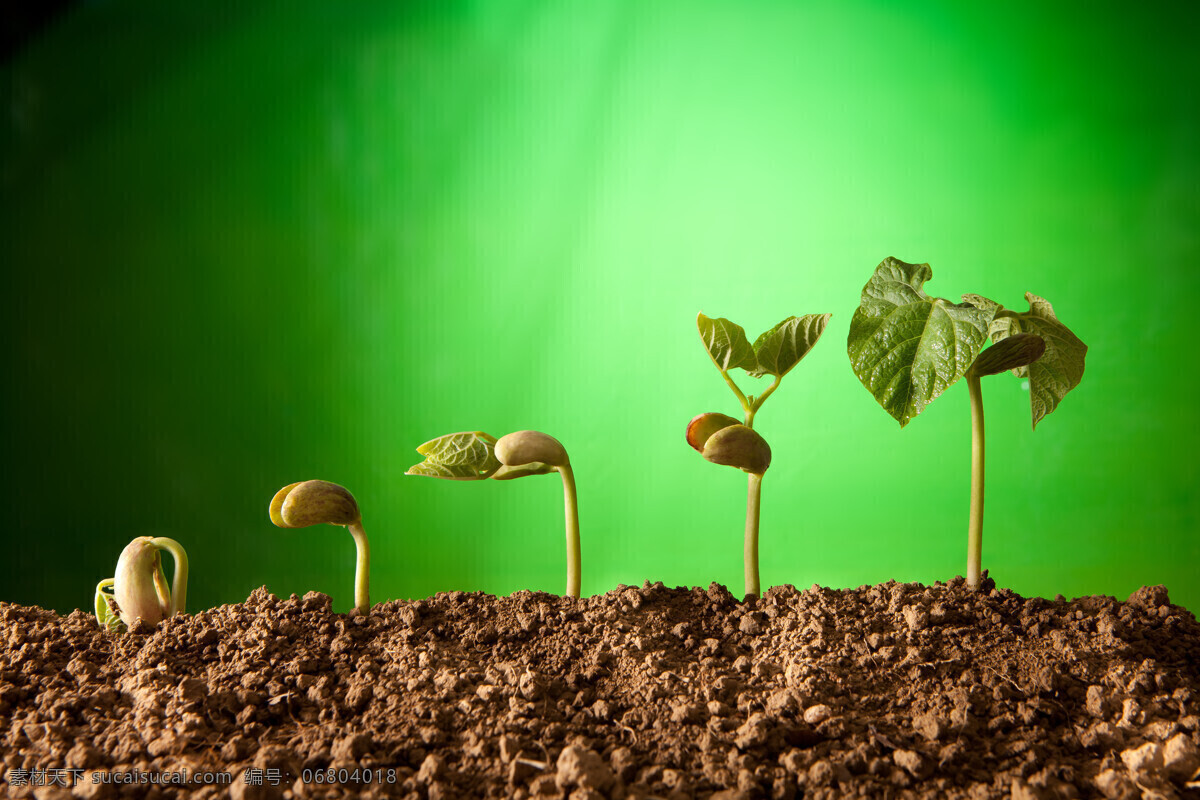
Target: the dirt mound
(895, 690)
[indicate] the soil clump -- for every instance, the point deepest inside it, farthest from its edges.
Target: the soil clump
(889, 691)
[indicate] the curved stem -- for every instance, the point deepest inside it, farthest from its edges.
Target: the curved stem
(741, 397)
(571, 507)
(750, 547)
(975, 525)
(161, 589)
(362, 568)
(178, 599)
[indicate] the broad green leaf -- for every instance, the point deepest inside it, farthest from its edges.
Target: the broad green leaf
(782, 347)
(726, 343)
(907, 347)
(458, 456)
(1060, 369)
(507, 473)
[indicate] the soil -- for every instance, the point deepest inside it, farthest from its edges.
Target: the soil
(889, 691)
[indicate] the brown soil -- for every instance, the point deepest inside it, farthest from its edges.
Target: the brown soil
(896, 690)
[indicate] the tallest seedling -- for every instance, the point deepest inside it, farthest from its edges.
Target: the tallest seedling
(721, 439)
(907, 348)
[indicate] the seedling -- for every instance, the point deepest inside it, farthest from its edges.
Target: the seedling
(476, 456)
(907, 348)
(722, 439)
(300, 505)
(139, 589)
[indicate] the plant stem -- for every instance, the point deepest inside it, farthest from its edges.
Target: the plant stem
(753, 504)
(178, 600)
(753, 501)
(758, 401)
(160, 586)
(741, 397)
(975, 525)
(362, 568)
(571, 508)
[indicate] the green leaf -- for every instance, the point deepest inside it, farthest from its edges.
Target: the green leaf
(726, 343)
(445, 448)
(1015, 352)
(782, 347)
(1060, 369)
(467, 456)
(455, 472)
(907, 347)
(979, 301)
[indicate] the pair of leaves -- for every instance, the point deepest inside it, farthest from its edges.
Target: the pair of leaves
(469, 456)
(775, 352)
(907, 347)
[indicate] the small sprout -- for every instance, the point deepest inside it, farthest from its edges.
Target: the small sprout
(722, 439)
(476, 455)
(907, 348)
(139, 590)
(106, 613)
(300, 505)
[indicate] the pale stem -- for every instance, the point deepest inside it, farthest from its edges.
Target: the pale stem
(753, 499)
(753, 503)
(362, 568)
(741, 397)
(975, 525)
(758, 401)
(160, 586)
(179, 581)
(571, 507)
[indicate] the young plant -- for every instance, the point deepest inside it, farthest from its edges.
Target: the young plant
(139, 589)
(299, 505)
(722, 439)
(476, 456)
(907, 348)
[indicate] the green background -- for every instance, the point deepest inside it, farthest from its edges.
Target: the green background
(247, 244)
